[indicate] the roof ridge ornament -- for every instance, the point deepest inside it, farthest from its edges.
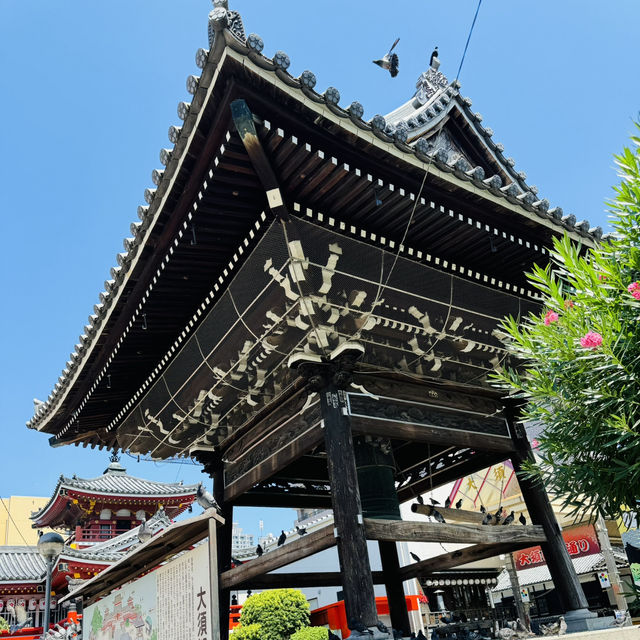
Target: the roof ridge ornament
(430, 81)
(222, 18)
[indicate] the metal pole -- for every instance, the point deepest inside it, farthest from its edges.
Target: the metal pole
(612, 569)
(47, 598)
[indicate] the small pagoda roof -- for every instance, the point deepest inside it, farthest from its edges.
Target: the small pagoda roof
(84, 406)
(21, 564)
(115, 481)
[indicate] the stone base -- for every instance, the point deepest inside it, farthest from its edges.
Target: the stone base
(585, 620)
(612, 633)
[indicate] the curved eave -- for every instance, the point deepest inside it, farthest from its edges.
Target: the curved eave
(348, 123)
(50, 514)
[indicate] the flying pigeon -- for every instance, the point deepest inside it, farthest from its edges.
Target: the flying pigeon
(509, 519)
(390, 61)
(447, 502)
(522, 520)
(438, 516)
(414, 556)
(282, 538)
(259, 550)
(459, 504)
(434, 54)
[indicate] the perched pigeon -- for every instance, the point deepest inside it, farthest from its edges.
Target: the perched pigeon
(509, 519)
(205, 499)
(438, 516)
(259, 550)
(282, 538)
(390, 61)
(447, 502)
(420, 499)
(433, 501)
(301, 530)
(144, 533)
(434, 55)
(483, 509)
(414, 556)
(459, 504)
(522, 520)
(487, 518)
(498, 515)
(421, 636)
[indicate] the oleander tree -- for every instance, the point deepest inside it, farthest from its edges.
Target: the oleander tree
(578, 371)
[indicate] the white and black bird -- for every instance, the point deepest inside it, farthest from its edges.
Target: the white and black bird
(205, 499)
(509, 519)
(414, 556)
(259, 550)
(434, 56)
(390, 61)
(282, 538)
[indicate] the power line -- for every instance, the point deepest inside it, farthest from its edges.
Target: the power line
(464, 53)
(14, 523)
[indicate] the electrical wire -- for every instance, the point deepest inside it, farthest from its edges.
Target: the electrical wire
(464, 53)
(14, 523)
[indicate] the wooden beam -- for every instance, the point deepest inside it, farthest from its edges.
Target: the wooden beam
(411, 531)
(302, 580)
(243, 119)
(280, 557)
(451, 515)
(457, 558)
(430, 434)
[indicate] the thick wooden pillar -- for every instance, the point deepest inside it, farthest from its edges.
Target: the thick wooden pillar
(357, 581)
(393, 584)
(224, 548)
(555, 552)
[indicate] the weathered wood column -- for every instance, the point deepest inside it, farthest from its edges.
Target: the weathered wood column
(555, 551)
(393, 584)
(224, 546)
(357, 581)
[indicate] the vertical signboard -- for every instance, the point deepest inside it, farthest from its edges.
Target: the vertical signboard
(184, 601)
(171, 603)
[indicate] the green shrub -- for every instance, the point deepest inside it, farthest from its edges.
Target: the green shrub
(4, 625)
(311, 633)
(247, 632)
(280, 612)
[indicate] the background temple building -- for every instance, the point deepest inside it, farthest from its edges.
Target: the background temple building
(101, 518)
(310, 306)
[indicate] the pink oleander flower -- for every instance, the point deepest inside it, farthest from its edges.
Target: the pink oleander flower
(550, 316)
(592, 340)
(634, 290)
(535, 444)
(568, 304)
(636, 294)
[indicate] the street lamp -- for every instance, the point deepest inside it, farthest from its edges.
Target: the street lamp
(50, 546)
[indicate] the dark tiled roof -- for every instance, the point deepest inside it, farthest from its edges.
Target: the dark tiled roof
(226, 31)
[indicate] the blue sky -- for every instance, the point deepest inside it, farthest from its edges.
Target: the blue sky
(89, 90)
